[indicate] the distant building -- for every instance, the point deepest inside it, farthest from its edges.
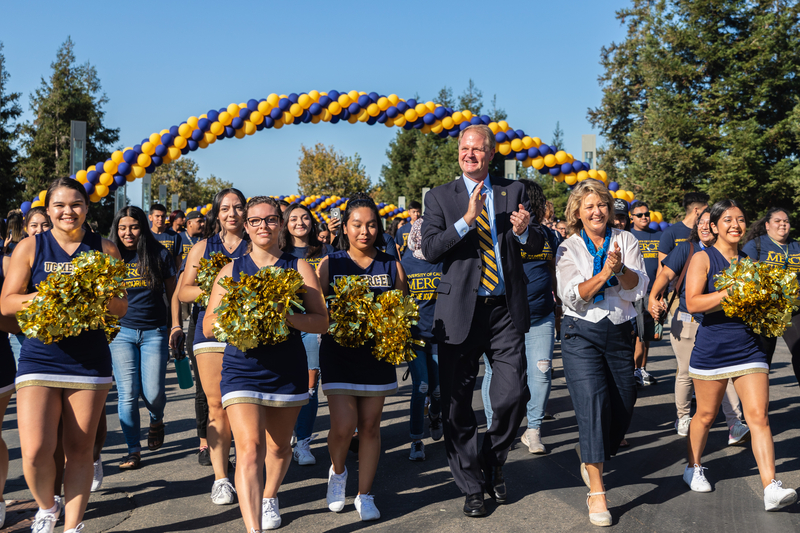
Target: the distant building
(589, 149)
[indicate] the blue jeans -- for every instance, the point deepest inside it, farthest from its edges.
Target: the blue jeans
(308, 413)
(539, 355)
(16, 341)
(424, 379)
(139, 358)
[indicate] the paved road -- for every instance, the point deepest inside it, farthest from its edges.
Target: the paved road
(646, 493)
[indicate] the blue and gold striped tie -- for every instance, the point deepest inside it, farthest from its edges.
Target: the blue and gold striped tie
(489, 276)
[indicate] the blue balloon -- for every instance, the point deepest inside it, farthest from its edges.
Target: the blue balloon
(510, 134)
(268, 122)
(545, 150)
(203, 124)
(129, 156)
(520, 134)
(664, 225)
(237, 123)
(212, 115)
(566, 168)
(392, 111)
(185, 150)
(334, 95)
(161, 150)
(229, 132)
(284, 104)
(192, 145)
(402, 107)
(93, 176)
(99, 166)
(613, 186)
(124, 168)
(354, 109)
(440, 113)
(25, 207)
(371, 121)
(315, 109)
(544, 170)
(174, 131)
(373, 97)
(577, 166)
(533, 152)
(155, 160)
(89, 187)
(411, 102)
(408, 126)
(305, 117)
(138, 149)
(418, 124)
(485, 119)
(120, 180)
(324, 100)
(500, 137)
(113, 187)
(443, 134)
(654, 226)
(197, 135)
(245, 113)
(475, 121)
(276, 113)
(221, 137)
(145, 141)
(252, 105)
(555, 171)
(293, 97)
(464, 125)
(453, 133)
(364, 100)
(429, 119)
(522, 156)
(345, 114)
(382, 116)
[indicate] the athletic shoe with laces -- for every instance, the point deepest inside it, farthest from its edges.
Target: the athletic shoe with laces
(417, 451)
(204, 456)
(336, 486)
(532, 438)
(365, 505)
(694, 477)
(302, 453)
(682, 425)
(776, 497)
(637, 375)
(75, 529)
(270, 514)
(97, 477)
(436, 427)
(44, 521)
(647, 378)
(739, 433)
(222, 492)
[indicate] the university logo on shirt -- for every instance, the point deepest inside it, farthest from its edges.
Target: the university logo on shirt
(379, 280)
(422, 286)
(546, 254)
(133, 279)
(53, 266)
(649, 248)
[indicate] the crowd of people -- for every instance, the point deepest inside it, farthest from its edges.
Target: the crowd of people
(497, 280)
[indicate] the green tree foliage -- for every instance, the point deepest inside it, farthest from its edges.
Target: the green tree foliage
(10, 110)
(324, 170)
(703, 95)
(72, 92)
(418, 160)
(181, 178)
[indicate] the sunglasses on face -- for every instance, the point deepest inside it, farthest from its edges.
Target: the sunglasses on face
(640, 215)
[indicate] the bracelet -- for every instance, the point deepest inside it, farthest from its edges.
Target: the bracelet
(176, 327)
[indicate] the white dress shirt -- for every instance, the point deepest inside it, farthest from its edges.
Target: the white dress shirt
(574, 265)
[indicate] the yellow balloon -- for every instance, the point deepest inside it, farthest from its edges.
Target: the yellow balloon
(202, 143)
(335, 108)
(570, 179)
(192, 121)
(537, 162)
(94, 197)
(516, 145)
(504, 148)
(410, 115)
(278, 124)
(390, 122)
(353, 119)
(603, 175)
(273, 99)
(138, 171)
(363, 115)
(204, 211)
(264, 108)
(225, 118)
(494, 127)
(233, 109)
(458, 117)
(537, 142)
(209, 136)
(326, 115)
(344, 100)
(116, 157)
(467, 114)
(314, 95)
(383, 103)
(180, 143)
(217, 128)
(209, 206)
(425, 129)
(448, 122)
(526, 163)
(174, 152)
(593, 174)
(582, 175)
(304, 101)
(399, 121)
(354, 95)
(101, 190)
(240, 133)
(612, 193)
(393, 99)
(166, 159)
(149, 148)
(503, 125)
(106, 179)
(421, 109)
(527, 142)
(250, 128)
(550, 160)
(431, 106)
(630, 196)
(91, 167)
(437, 127)
(288, 118)
(185, 131)
(373, 110)
(296, 110)
(130, 178)
(42, 195)
(559, 178)
(81, 176)
(37, 203)
(155, 139)
(561, 157)
(162, 132)
(144, 160)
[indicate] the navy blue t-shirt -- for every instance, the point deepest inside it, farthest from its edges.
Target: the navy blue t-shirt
(775, 254)
(300, 253)
(675, 261)
(390, 247)
(673, 236)
(649, 241)
(172, 242)
(147, 308)
(423, 278)
(540, 279)
(401, 237)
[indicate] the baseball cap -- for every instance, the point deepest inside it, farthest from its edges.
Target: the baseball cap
(620, 207)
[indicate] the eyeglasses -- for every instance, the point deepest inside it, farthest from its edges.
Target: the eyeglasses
(272, 220)
(640, 215)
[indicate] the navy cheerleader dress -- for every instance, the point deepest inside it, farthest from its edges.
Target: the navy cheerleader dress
(355, 371)
(202, 344)
(273, 375)
(82, 362)
(725, 347)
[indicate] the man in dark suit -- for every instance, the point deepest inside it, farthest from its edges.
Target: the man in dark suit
(476, 226)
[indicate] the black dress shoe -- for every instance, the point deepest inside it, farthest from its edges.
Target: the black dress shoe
(495, 484)
(473, 505)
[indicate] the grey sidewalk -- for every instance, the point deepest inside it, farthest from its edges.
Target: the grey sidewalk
(171, 492)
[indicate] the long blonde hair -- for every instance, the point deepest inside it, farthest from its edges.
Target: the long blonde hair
(575, 201)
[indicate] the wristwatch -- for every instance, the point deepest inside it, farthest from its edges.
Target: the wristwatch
(621, 271)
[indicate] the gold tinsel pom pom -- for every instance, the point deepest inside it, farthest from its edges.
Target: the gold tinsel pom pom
(357, 317)
(69, 303)
(762, 295)
(350, 308)
(391, 323)
(254, 310)
(207, 273)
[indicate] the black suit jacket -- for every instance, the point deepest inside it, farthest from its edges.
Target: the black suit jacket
(460, 256)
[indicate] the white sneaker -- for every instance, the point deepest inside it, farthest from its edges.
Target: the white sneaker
(44, 522)
(694, 477)
(222, 492)
(637, 376)
(532, 438)
(647, 378)
(682, 425)
(417, 451)
(302, 453)
(366, 507)
(97, 477)
(336, 486)
(776, 497)
(76, 529)
(270, 514)
(739, 433)
(436, 427)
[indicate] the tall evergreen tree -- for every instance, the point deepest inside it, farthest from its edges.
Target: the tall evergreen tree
(701, 95)
(10, 111)
(72, 92)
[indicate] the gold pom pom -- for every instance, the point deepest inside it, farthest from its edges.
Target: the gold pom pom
(207, 272)
(68, 304)
(254, 310)
(762, 295)
(350, 307)
(391, 322)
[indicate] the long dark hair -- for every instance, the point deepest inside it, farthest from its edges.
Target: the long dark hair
(285, 240)
(148, 248)
(759, 228)
(536, 198)
(718, 209)
(16, 226)
(212, 218)
(360, 199)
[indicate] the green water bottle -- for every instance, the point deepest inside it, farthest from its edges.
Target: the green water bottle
(182, 368)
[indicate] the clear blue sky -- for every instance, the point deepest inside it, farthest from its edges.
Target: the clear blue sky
(161, 62)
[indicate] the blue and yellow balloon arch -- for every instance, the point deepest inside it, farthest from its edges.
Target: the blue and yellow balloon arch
(277, 111)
